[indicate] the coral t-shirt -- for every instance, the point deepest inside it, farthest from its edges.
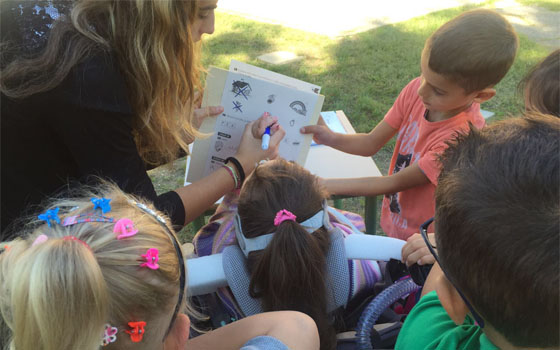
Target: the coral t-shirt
(422, 141)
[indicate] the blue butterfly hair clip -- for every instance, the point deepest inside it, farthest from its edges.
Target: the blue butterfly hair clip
(101, 203)
(49, 215)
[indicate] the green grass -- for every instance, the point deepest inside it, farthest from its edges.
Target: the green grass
(552, 5)
(361, 74)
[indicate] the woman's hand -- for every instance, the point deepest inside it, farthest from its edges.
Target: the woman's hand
(415, 250)
(199, 114)
(250, 151)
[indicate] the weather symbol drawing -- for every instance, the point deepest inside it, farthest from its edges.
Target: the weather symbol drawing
(292, 122)
(237, 106)
(241, 88)
(298, 107)
(218, 146)
(270, 99)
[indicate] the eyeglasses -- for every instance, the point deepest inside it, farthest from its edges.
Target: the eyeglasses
(424, 233)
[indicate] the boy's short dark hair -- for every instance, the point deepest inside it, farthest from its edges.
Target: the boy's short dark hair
(474, 50)
(497, 225)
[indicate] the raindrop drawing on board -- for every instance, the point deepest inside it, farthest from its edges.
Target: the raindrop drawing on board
(218, 146)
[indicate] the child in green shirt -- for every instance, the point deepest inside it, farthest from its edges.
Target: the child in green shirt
(495, 283)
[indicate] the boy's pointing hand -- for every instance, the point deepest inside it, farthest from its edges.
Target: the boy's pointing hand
(321, 132)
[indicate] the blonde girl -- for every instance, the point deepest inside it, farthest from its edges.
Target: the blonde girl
(106, 269)
(108, 88)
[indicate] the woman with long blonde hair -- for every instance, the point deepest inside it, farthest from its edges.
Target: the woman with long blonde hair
(108, 89)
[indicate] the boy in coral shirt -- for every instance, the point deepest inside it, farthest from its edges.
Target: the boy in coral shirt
(460, 64)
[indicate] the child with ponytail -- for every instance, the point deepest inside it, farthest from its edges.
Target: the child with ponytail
(105, 269)
(288, 270)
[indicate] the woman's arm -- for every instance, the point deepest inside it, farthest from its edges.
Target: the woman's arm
(203, 193)
(102, 144)
(296, 330)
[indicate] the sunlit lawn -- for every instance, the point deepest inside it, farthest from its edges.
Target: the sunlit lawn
(361, 74)
(553, 5)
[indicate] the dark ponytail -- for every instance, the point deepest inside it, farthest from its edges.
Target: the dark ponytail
(290, 274)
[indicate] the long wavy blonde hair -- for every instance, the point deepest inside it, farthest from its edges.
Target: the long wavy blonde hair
(59, 294)
(156, 53)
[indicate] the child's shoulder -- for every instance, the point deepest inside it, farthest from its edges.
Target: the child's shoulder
(428, 323)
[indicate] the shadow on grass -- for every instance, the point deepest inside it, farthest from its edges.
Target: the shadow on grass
(361, 74)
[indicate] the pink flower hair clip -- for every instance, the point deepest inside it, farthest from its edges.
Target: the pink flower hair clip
(283, 215)
(125, 228)
(152, 258)
(109, 335)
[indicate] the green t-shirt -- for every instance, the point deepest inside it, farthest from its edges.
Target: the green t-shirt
(429, 327)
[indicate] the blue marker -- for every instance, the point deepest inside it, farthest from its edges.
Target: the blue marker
(265, 138)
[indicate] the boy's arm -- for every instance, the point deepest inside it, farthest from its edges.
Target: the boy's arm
(360, 144)
(409, 177)
(296, 330)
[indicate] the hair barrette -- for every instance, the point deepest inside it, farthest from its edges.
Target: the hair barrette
(152, 258)
(4, 248)
(101, 203)
(137, 331)
(83, 218)
(149, 211)
(51, 214)
(40, 239)
(283, 215)
(125, 228)
(109, 335)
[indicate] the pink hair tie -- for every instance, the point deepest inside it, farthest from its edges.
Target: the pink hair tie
(73, 238)
(282, 216)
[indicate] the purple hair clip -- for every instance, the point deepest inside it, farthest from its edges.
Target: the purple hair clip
(51, 214)
(83, 218)
(152, 258)
(101, 203)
